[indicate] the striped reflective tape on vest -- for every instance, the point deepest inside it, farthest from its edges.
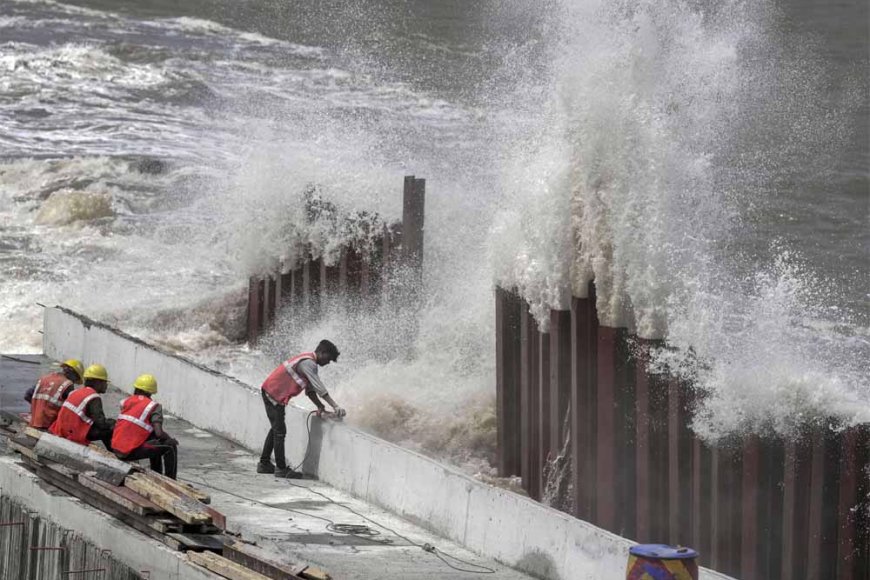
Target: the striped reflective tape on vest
(80, 410)
(54, 398)
(294, 375)
(140, 420)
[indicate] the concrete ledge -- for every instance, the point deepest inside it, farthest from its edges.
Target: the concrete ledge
(127, 545)
(495, 523)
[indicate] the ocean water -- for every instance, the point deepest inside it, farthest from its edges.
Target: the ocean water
(706, 162)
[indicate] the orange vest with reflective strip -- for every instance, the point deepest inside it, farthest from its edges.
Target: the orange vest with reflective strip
(48, 399)
(133, 427)
(285, 383)
(73, 422)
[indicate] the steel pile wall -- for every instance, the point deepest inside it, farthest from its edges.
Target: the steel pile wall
(755, 508)
(364, 275)
(35, 548)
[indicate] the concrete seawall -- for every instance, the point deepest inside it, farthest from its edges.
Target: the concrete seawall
(510, 528)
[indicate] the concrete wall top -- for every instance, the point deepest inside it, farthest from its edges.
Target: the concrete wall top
(496, 523)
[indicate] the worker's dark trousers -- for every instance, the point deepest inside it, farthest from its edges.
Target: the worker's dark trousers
(104, 435)
(277, 434)
(162, 456)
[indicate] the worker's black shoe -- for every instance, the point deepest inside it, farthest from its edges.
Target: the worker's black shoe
(265, 468)
(288, 473)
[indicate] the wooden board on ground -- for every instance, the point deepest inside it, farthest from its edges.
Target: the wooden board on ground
(184, 508)
(224, 567)
(23, 450)
(33, 432)
(314, 573)
(199, 542)
(262, 562)
(122, 496)
(177, 486)
(75, 489)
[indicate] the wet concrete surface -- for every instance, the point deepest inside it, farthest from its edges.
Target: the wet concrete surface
(291, 519)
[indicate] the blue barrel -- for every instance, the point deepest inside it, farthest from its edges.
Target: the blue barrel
(662, 562)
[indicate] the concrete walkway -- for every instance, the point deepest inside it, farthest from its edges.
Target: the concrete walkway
(290, 519)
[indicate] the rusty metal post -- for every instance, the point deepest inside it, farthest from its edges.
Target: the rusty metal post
(848, 507)
(643, 448)
(365, 277)
(529, 403)
(584, 325)
(625, 374)
(343, 271)
(817, 483)
(560, 377)
(271, 298)
(413, 206)
(542, 416)
(795, 518)
(702, 497)
(605, 460)
(680, 463)
(254, 308)
(314, 287)
(508, 309)
(750, 509)
(329, 281)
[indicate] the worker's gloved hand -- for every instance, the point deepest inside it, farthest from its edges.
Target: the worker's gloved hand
(340, 412)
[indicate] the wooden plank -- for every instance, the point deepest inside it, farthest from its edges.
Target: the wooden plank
(226, 568)
(314, 573)
(185, 509)
(259, 561)
(198, 542)
(177, 487)
(166, 525)
(25, 451)
(122, 496)
(33, 433)
(75, 489)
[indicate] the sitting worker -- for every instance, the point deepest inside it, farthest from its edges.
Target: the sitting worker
(81, 419)
(288, 380)
(47, 396)
(139, 432)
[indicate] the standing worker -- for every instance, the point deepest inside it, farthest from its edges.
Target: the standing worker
(49, 393)
(139, 432)
(293, 376)
(81, 419)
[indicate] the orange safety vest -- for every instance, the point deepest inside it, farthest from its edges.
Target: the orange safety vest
(134, 423)
(73, 422)
(48, 399)
(285, 383)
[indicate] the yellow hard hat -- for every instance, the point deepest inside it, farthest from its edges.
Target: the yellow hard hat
(96, 372)
(146, 383)
(75, 365)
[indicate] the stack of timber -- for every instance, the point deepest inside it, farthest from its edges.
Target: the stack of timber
(169, 511)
